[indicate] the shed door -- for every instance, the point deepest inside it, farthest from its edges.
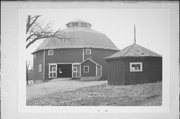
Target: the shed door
(64, 70)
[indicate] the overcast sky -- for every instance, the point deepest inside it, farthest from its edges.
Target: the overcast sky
(152, 25)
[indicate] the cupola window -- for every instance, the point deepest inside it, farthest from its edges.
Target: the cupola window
(78, 23)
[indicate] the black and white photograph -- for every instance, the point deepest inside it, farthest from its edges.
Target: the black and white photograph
(93, 57)
(79, 65)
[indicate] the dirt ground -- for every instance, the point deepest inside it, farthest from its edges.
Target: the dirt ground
(58, 85)
(104, 95)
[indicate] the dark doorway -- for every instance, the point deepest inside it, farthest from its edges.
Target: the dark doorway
(64, 70)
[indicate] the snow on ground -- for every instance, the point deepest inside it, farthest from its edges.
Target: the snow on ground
(58, 85)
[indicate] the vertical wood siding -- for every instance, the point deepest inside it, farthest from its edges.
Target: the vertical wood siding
(37, 61)
(63, 56)
(72, 56)
(98, 55)
(92, 69)
(119, 72)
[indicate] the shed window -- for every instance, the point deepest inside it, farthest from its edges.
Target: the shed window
(86, 69)
(40, 68)
(136, 67)
(88, 51)
(50, 52)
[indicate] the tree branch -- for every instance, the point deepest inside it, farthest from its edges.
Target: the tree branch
(29, 24)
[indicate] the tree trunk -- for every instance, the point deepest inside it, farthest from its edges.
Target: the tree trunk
(27, 74)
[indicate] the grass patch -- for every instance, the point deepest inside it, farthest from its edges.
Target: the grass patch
(104, 95)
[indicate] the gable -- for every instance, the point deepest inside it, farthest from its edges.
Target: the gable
(89, 61)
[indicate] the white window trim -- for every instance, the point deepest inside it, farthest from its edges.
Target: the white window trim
(50, 52)
(40, 68)
(100, 68)
(85, 70)
(76, 69)
(53, 71)
(88, 51)
(132, 70)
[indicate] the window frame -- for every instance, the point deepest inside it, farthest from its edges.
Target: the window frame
(49, 54)
(84, 67)
(136, 63)
(40, 68)
(88, 51)
(53, 71)
(75, 68)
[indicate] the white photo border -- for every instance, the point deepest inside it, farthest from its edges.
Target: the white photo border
(13, 92)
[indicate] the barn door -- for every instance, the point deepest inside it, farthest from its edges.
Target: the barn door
(76, 70)
(64, 70)
(98, 71)
(52, 71)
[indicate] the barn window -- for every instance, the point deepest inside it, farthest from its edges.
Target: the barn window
(86, 69)
(50, 52)
(40, 68)
(88, 51)
(52, 71)
(79, 24)
(74, 68)
(136, 67)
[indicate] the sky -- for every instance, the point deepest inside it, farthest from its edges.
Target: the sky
(152, 25)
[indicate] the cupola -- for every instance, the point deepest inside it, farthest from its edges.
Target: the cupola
(78, 23)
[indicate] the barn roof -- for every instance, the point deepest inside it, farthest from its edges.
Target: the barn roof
(78, 37)
(134, 50)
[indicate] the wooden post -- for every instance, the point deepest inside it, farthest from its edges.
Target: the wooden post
(134, 34)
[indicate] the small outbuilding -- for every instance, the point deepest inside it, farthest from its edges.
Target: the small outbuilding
(90, 70)
(134, 64)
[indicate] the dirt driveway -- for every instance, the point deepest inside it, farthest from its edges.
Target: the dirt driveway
(58, 85)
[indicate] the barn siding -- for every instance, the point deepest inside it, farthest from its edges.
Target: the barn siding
(63, 56)
(37, 61)
(98, 55)
(92, 69)
(120, 71)
(72, 56)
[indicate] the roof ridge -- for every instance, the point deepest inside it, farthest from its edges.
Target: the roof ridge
(129, 47)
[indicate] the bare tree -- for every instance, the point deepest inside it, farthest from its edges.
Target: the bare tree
(36, 31)
(27, 71)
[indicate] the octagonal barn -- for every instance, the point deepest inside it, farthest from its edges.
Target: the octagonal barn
(134, 64)
(82, 54)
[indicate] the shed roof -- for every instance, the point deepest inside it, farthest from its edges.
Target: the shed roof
(91, 60)
(134, 50)
(78, 37)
